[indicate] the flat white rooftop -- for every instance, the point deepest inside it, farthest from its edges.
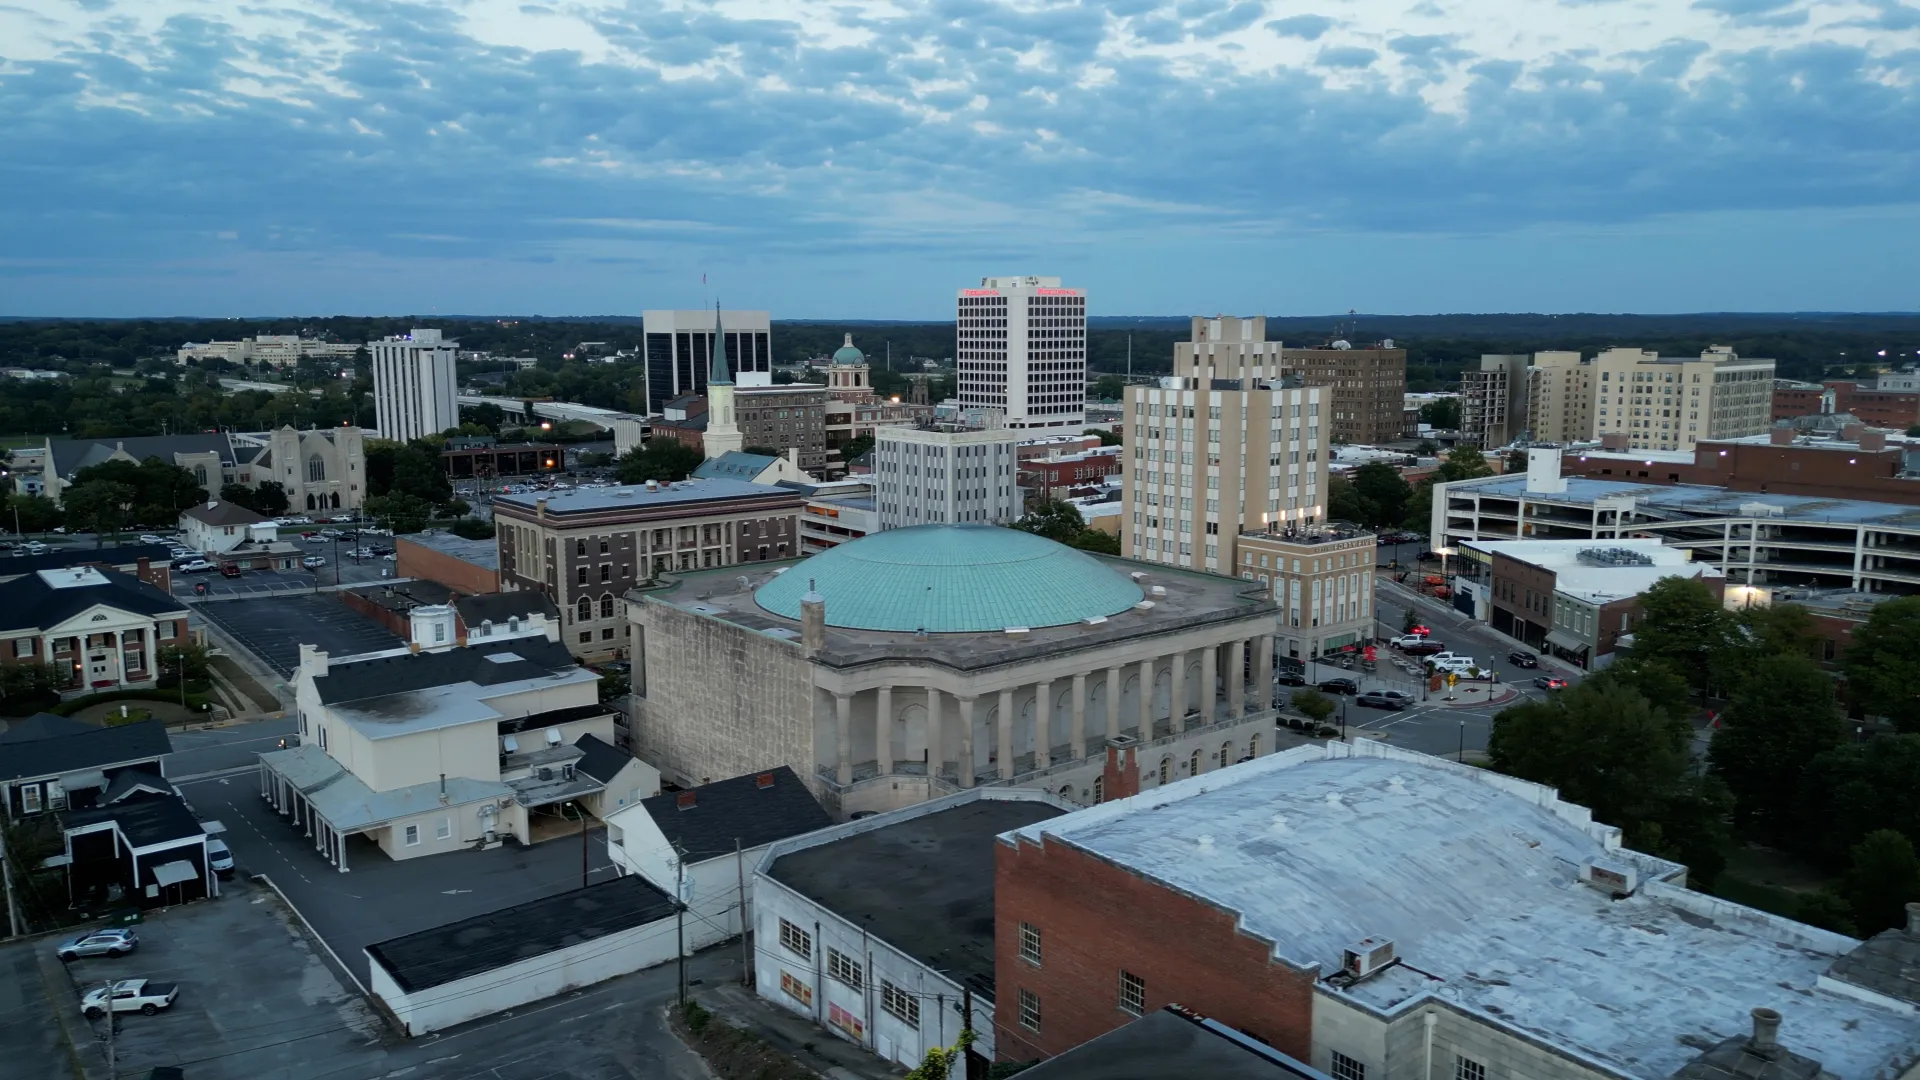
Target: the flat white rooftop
(1474, 877)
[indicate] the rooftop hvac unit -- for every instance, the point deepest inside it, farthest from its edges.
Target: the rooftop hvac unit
(546, 773)
(1366, 956)
(1614, 556)
(1138, 576)
(1157, 590)
(1614, 879)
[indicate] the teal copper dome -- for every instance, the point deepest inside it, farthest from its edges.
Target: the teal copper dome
(847, 354)
(948, 579)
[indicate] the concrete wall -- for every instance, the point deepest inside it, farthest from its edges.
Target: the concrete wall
(717, 702)
(413, 560)
(465, 827)
(1402, 1049)
(526, 981)
(712, 887)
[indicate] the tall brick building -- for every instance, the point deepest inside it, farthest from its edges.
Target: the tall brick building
(1385, 914)
(1365, 388)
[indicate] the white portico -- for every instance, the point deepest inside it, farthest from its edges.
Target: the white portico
(919, 661)
(102, 630)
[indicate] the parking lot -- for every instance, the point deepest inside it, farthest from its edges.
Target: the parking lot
(267, 582)
(273, 628)
(256, 1000)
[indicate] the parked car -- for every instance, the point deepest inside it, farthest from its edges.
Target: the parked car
(313, 562)
(1523, 658)
(1340, 686)
(390, 557)
(149, 538)
(1407, 641)
(1549, 682)
(1290, 678)
(1384, 699)
(220, 858)
(360, 553)
(195, 566)
(1428, 647)
(129, 995)
(229, 570)
(99, 943)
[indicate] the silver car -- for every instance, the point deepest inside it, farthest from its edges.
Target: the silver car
(99, 943)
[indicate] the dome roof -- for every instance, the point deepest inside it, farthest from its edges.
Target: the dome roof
(953, 579)
(847, 354)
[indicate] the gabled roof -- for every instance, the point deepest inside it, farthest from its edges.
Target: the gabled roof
(602, 760)
(215, 512)
(499, 607)
(145, 819)
(735, 465)
(1887, 963)
(64, 751)
(60, 558)
(72, 455)
(43, 726)
(736, 810)
(1168, 1042)
(132, 781)
(30, 603)
(356, 680)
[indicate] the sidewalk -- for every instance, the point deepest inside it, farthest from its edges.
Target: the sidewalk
(809, 1043)
(1548, 663)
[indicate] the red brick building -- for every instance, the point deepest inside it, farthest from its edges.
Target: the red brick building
(1860, 464)
(1899, 409)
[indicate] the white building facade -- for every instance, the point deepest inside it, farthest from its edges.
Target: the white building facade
(413, 385)
(952, 477)
(1022, 348)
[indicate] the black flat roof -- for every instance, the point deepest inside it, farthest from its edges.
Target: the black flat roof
(469, 947)
(1165, 1044)
(924, 885)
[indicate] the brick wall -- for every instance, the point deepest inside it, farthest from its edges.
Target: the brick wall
(1096, 921)
(1815, 471)
(414, 560)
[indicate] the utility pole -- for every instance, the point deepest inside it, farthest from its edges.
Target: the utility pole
(15, 926)
(746, 951)
(680, 917)
(966, 1025)
(113, 1063)
(582, 811)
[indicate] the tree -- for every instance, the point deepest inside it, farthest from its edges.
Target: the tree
(35, 513)
(1442, 413)
(270, 498)
(237, 494)
(1313, 704)
(1419, 508)
(1683, 623)
(1345, 503)
(1110, 387)
(1883, 666)
(1100, 543)
(160, 489)
(417, 471)
(187, 660)
(1384, 490)
(98, 506)
(940, 1060)
(472, 528)
(855, 448)
(1462, 463)
(400, 512)
(1883, 878)
(32, 680)
(486, 414)
(1107, 436)
(1053, 519)
(1781, 717)
(659, 459)
(1426, 448)
(1850, 790)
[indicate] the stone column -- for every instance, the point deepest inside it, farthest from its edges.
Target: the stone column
(1177, 702)
(1263, 672)
(1146, 701)
(936, 750)
(1209, 677)
(1043, 724)
(1078, 732)
(1236, 677)
(119, 655)
(964, 770)
(1005, 733)
(1113, 701)
(843, 737)
(883, 731)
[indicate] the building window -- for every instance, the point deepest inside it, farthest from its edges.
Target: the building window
(900, 1004)
(1029, 1010)
(1166, 769)
(316, 469)
(30, 798)
(1345, 1068)
(1468, 1069)
(580, 575)
(1133, 994)
(606, 607)
(323, 736)
(443, 829)
(24, 646)
(1030, 943)
(413, 836)
(586, 637)
(580, 546)
(606, 634)
(1099, 789)
(796, 940)
(841, 967)
(1193, 764)
(583, 610)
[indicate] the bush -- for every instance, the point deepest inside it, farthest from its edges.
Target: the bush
(196, 702)
(696, 1016)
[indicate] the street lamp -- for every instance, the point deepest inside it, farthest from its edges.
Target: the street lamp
(1462, 756)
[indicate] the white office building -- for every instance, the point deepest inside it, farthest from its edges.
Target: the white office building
(945, 477)
(413, 385)
(679, 350)
(1022, 348)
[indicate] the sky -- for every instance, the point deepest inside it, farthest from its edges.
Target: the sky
(867, 158)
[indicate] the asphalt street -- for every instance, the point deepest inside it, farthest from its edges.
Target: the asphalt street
(198, 752)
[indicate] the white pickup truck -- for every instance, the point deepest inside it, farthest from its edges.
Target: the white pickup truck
(130, 995)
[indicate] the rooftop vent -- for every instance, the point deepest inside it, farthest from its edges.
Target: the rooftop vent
(1366, 956)
(1138, 576)
(1614, 556)
(1144, 605)
(1018, 631)
(1157, 590)
(623, 493)
(653, 485)
(763, 781)
(553, 736)
(1094, 620)
(545, 773)
(1613, 879)
(683, 801)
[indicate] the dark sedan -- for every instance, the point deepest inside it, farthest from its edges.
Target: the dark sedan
(1523, 658)
(1340, 686)
(1290, 678)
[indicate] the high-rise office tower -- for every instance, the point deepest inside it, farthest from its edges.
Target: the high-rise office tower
(1366, 387)
(945, 476)
(1226, 347)
(679, 349)
(1493, 400)
(1670, 403)
(1022, 348)
(413, 385)
(1559, 398)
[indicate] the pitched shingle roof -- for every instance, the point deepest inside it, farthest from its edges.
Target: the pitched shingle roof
(29, 603)
(145, 819)
(499, 607)
(406, 672)
(216, 512)
(72, 455)
(126, 555)
(602, 759)
(59, 752)
(738, 809)
(1887, 963)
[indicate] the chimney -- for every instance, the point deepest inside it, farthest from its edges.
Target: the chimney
(314, 659)
(1852, 432)
(1614, 440)
(443, 789)
(763, 781)
(1872, 442)
(1121, 778)
(684, 800)
(1781, 436)
(540, 508)
(813, 620)
(1766, 1031)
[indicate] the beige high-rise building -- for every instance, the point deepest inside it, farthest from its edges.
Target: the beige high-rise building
(1671, 403)
(1226, 347)
(1208, 459)
(1559, 398)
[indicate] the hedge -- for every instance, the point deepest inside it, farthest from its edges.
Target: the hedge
(196, 702)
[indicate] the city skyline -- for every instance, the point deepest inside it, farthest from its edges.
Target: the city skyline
(855, 161)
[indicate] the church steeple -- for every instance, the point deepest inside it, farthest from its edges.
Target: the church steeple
(723, 433)
(719, 372)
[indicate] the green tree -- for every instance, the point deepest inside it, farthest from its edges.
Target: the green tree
(1382, 486)
(1883, 878)
(1463, 463)
(238, 495)
(418, 472)
(400, 512)
(160, 489)
(1312, 704)
(1883, 664)
(660, 459)
(1419, 514)
(1782, 716)
(270, 498)
(472, 528)
(1053, 519)
(99, 507)
(1107, 436)
(1850, 790)
(36, 680)
(186, 660)
(1345, 503)
(1443, 413)
(1110, 387)
(856, 447)
(1100, 543)
(35, 513)
(1683, 623)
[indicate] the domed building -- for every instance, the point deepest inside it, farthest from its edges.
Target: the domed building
(917, 662)
(847, 376)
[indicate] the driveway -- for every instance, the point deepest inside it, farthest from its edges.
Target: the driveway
(274, 629)
(213, 749)
(378, 898)
(30, 1039)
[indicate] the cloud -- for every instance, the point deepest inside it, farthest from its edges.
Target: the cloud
(1346, 56)
(1304, 27)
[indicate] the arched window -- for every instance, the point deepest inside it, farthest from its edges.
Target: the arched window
(1066, 792)
(606, 606)
(1099, 789)
(310, 505)
(1226, 754)
(513, 624)
(1193, 764)
(1253, 745)
(583, 610)
(1166, 768)
(335, 497)
(200, 475)
(316, 469)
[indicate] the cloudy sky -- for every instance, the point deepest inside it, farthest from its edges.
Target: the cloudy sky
(864, 158)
